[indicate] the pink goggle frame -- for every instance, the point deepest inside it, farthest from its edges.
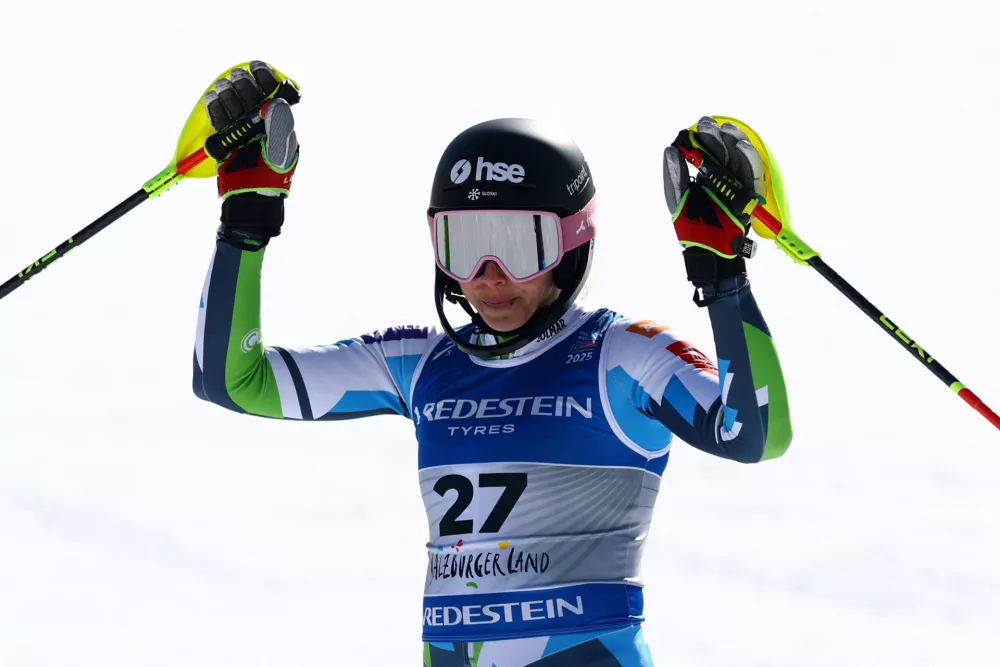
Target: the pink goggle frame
(525, 244)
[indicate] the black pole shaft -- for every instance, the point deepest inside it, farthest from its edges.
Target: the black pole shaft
(887, 325)
(903, 339)
(720, 178)
(77, 239)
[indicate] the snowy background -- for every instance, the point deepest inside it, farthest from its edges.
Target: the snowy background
(141, 526)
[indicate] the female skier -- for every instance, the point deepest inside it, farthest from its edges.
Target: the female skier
(543, 428)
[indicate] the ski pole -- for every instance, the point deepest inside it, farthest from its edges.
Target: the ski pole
(793, 245)
(216, 146)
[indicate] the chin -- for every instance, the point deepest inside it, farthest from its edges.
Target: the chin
(504, 325)
(506, 322)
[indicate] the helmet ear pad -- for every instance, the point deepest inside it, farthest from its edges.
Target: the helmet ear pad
(566, 271)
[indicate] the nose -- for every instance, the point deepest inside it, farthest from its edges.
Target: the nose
(492, 273)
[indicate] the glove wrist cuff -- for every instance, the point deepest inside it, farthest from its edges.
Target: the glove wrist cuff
(705, 268)
(249, 220)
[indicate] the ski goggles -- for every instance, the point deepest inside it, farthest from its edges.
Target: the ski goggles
(525, 244)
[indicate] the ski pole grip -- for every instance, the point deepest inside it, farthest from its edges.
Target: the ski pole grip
(248, 128)
(735, 195)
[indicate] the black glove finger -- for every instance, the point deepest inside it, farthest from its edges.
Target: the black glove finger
(748, 164)
(246, 87)
(216, 111)
(755, 164)
(230, 100)
(710, 136)
(739, 164)
(756, 161)
(264, 75)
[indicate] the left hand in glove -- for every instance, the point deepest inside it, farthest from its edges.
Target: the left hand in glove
(254, 180)
(708, 212)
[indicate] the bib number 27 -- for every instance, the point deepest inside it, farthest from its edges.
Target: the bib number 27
(512, 483)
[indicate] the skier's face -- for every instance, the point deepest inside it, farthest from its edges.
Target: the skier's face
(506, 305)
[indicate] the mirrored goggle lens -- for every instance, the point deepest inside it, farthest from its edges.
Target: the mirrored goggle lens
(527, 244)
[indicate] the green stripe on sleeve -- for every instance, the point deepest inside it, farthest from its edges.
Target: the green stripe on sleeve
(767, 376)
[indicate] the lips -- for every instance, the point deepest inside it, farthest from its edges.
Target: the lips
(498, 304)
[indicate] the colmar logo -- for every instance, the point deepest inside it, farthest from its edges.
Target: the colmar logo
(251, 339)
(487, 171)
(552, 330)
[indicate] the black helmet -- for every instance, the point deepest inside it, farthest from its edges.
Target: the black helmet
(514, 164)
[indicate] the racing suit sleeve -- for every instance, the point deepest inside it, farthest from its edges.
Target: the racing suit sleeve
(357, 377)
(660, 384)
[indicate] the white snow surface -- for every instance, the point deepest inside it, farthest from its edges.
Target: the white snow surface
(141, 526)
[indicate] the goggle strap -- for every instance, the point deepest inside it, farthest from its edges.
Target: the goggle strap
(539, 246)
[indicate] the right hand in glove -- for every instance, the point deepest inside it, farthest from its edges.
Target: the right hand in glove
(709, 212)
(254, 180)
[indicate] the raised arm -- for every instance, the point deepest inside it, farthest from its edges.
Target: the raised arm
(737, 409)
(358, 377)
